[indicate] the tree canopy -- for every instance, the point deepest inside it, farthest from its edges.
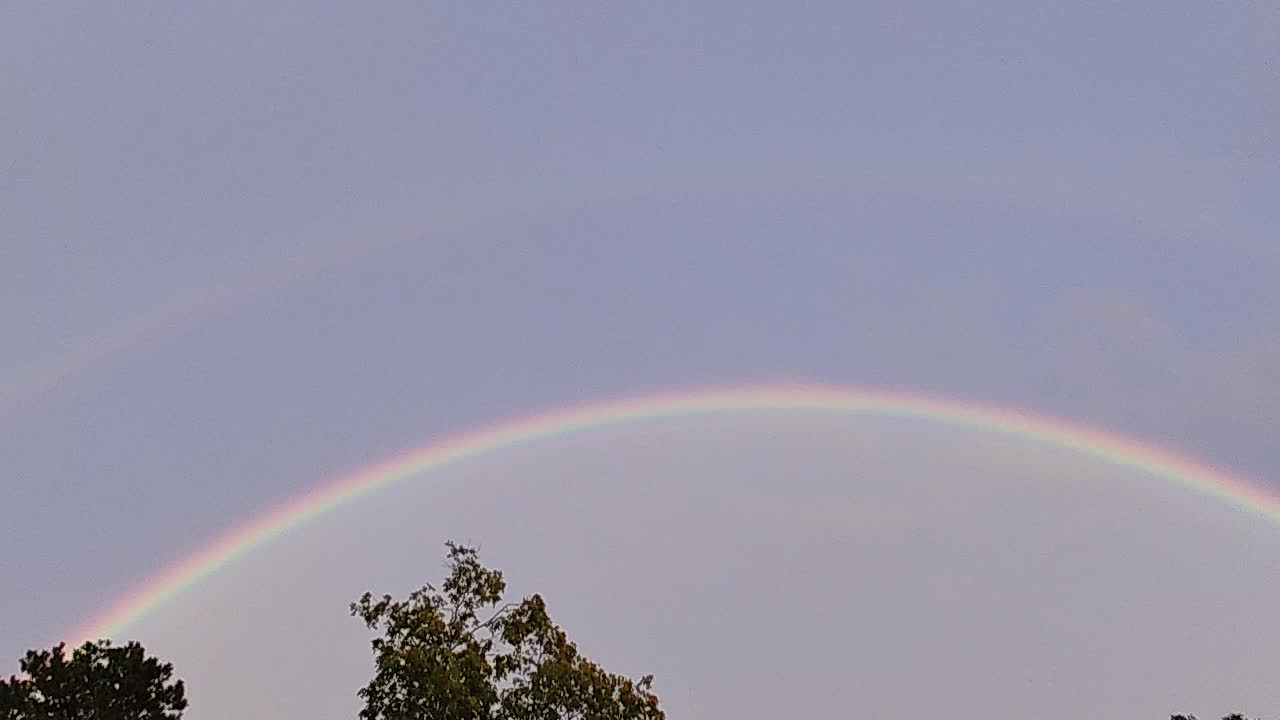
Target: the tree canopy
(461, 652)
(97, 682)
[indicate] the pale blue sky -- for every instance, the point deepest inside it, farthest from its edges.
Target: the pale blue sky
(1067, 208)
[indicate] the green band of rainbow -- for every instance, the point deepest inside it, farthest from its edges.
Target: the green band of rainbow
(1247, 495)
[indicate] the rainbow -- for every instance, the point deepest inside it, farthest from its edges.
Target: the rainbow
(1247, 495)
(1037, 193)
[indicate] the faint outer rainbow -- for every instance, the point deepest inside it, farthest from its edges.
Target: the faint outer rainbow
(1084, 198)
(1121, 451)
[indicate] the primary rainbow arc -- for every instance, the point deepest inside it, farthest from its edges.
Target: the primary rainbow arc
(1248, 495)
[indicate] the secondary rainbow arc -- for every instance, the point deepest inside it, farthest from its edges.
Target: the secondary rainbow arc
(1247, 495)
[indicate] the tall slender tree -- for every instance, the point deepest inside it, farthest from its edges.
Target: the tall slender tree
(460, 653)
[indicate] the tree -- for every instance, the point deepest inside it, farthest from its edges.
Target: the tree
(1232, 716)
(457, 654)
(98, 682)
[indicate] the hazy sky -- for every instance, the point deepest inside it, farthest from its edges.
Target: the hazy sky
(244, 249)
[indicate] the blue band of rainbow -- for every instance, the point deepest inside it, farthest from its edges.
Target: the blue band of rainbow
(1247, 495)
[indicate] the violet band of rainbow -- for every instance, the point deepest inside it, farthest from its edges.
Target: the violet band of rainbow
(1245, 494)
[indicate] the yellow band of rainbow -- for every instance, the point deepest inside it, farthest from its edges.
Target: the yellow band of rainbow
(1247, 495)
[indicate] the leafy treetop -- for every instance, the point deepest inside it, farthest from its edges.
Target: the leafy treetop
(98, 682)
(458, 653)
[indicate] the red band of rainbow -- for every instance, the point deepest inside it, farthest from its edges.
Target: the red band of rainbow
(1247, 495)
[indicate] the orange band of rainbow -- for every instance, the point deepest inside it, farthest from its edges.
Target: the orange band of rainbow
(1250, 496)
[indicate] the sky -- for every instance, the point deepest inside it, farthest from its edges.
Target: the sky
(245, 249)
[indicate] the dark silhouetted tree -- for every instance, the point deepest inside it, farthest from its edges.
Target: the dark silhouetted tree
(1232, 716)
(98, 682)
(459, 653)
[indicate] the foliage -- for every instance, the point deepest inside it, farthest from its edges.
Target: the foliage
(435, 657)
(98, 682)
(456, 653)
